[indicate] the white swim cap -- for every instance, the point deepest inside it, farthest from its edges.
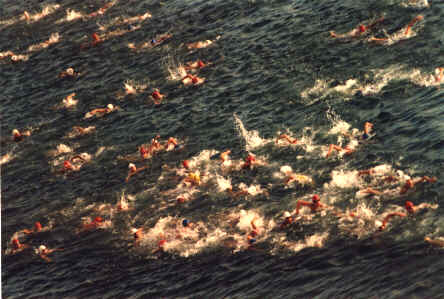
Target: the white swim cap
(131, 165)
(70, 71)
(42, 248)
(287, 214)
(110, 106)
(15, 132)
(134, 230)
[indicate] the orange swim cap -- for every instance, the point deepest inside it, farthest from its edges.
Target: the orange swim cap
(38, 226)
(98, 219)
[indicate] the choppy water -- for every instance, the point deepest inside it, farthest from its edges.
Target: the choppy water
(275, 69)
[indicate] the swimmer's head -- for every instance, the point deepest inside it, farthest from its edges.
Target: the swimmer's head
(98, 219)
(200, 63)
(287, 214)
(186, 164)
(15, 132)
(409, 206)
(42, 248)
(16, 243)
(194, 79)
(38, 226)
(134, 230)
(131, 166)
(185, 222)
(362, 28)
(70, 71)
(14, 58)
(315, 198)
(153, 41)
(110, 106)
(67, 164)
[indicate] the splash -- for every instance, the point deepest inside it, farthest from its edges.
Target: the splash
(54, 38)
(251, 138)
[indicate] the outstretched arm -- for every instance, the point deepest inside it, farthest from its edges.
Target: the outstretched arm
(301, 203)
(412, 22)
(439, 243)
(389, 216)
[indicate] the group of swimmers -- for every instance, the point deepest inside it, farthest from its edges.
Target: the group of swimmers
(192, 178)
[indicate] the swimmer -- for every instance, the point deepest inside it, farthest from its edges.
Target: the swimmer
(101, 10)
(251, 237)
(43, 252)
(26, 16)
(129, 89)
(155, 145)
(96, 39)
(68, 166)
(109, 108)
(160, 245)
(191, 79)
(406, 33)
(287, 138)
(37, 228)
(224, 157)
(133, 170)
(96, 223)
(69, 101)
(181, 199)
(138, 235)
(201, 44)
(410, 184)
(439, 74)
(193, 178)
(410, 209)
(249, 161)
(367, 129)
(288, 220)
(186, 164)
(358, 31)
(144, 154)
(157, 96)
(314, 205)
(299, 178)
(17, 246)
(347, 150)
(69, 72)
(171, 143)
(434, 242)
(195, 65)
(17, 136)
(82, 131)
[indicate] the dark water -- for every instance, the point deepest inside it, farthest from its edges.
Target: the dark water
(263, 78)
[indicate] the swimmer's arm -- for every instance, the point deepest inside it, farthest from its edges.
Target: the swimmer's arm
(44, 257)
(372, 191)
(301, 203)
(434, 242)
(389, 216)
(412, 22)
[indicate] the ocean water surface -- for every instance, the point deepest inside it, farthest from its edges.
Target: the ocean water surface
(273, 68)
